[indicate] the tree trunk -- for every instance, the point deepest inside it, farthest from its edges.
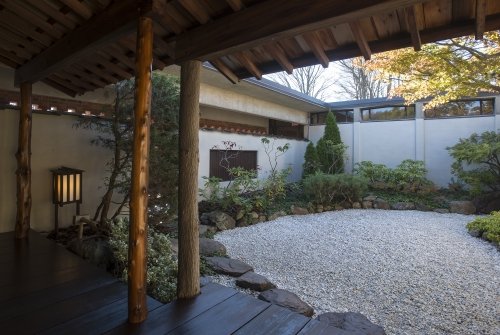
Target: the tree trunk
(188, 279)
(137, 308)
(23, 172)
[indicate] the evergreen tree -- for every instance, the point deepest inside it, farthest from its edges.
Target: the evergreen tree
(330, 148)
(311, 161)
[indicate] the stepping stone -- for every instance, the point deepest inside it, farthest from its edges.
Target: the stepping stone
(356, 323)
(288, 300)
(228, 266)
(209, 247)
(254, 282)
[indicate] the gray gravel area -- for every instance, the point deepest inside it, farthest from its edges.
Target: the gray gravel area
(410, 272)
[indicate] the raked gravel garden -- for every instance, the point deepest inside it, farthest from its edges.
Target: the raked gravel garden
(410, 272)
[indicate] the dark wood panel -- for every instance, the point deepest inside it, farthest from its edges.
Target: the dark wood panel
(98, 321)
(168, 317)
(315, 327)
(224, 318)
(274, 320)
(51, 315)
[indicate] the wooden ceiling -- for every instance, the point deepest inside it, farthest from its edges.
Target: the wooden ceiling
(81, 45)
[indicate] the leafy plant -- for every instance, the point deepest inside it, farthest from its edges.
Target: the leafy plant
(373, 172)
(330, 148)
(477, 161)
(487, 226)
(274, 185)
(161, 266)
(311, 161)
(328, 189)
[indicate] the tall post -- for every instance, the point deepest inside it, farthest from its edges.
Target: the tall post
(23, 173)
(188, 279)
(137, 308)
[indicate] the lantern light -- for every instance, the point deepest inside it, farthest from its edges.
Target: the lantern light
(66, 189)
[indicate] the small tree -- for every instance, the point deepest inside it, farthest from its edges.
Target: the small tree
(330, 148)
(311, 161)
(477, 161)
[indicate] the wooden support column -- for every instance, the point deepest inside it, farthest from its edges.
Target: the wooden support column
(137, 308)
(188, 279)
(23, 172)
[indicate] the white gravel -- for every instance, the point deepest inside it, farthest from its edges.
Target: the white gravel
(410, 272)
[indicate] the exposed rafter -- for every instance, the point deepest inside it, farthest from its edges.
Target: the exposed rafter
(279, 55)
(361, 40)
(314, 44)
(116, 21)
(236, 5)
(262, 22)
(245, 60)
(413, 28)
(225, 70)
(195, 8)
(480, 18)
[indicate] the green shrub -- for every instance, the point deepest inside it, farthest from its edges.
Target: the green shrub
(330, 148)
(487, 226)
(162, 268)
(328, 189)
(408, 176)
(477, 161)
(374, 173)
(311, 161)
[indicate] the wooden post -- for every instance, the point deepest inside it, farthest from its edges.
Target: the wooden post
(188, 279)
(23, 172)
(137, 308)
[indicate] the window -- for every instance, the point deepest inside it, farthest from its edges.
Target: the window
(462, 108)
(221, 160)
(286, 129)
(342, 116)
(388, 113)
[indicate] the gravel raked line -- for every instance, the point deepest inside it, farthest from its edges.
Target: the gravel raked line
(408, 271)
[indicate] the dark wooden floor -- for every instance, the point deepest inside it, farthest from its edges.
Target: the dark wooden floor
(45, 289)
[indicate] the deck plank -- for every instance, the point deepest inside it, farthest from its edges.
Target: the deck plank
(224, 318)
(170, 316)
(274, 320)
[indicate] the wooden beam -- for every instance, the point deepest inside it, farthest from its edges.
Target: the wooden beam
(411, 20)
(195, 8)
(245, 60)
(316, 47)
(236, 5)
(117, 20)
(280, 56)
(79, 8)
(361, 40)
(480, 18)
(23, 172)
(188, 278)
(225, 70)
(462, 28)
(263, 22)
(137, 267)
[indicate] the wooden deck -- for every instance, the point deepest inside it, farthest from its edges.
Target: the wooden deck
(45, 289)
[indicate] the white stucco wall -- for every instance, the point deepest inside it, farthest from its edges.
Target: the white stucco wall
(226, 99)
(211, 113)
(443, 133)
(391, 142)
(294, 157)
(388, 143)
(55, 143)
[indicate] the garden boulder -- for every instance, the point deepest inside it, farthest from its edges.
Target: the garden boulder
(221, 220)
(356, 323)
(381, 204)
(254, 282)
(462, 207)
(276, 215)
(403, 206)
(228, 266)
(288, 300)
(296, 210)
(209, 247)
